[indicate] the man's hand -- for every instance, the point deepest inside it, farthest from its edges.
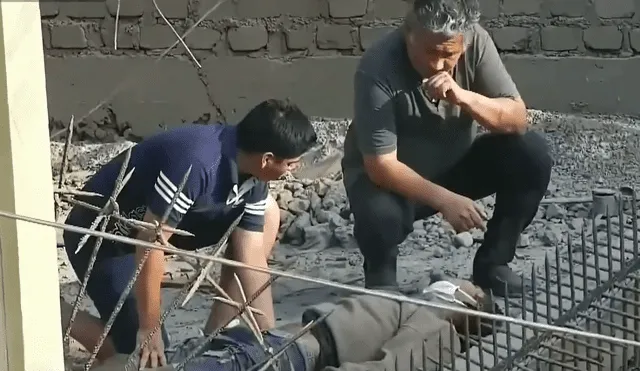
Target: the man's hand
(442, 86)
(462, 213)
(152, 355)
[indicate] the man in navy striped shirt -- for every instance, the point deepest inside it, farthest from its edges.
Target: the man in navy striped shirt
(230, 166)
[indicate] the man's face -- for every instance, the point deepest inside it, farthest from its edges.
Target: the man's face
(272, 168)
(431, 53)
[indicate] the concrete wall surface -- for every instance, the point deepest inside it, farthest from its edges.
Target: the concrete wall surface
(565, 55)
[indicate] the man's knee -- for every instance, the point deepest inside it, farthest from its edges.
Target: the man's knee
(536, 158)
(527, 155)
(377, 213)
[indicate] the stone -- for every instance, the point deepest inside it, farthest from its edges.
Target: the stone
(560, 38)
(298, 206)
(335, 37)
(464, 239)
(576, 224)
(203, 38)
(249, 38)
(347, 9)
(295, 232)
(285, 217)
(299, 39)
(336, 221)
(554, 211)
(133, 8)
(127, 33)
(68, 37)
(634, 39)
(437, 252)
(173, 9)
(276, 8)
(521, 7)
(567, 8)
(320, 188)
(614, 8)
(390, 9)
(523, 241)
(156, 37)
(317, 237)
(344, 236)
(315, 202)
(511, 38)
(82, 10)
(551, 235)
(284, 197)
(603, 38)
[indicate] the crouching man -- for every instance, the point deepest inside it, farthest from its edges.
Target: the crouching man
(361, 333)
(230, 166)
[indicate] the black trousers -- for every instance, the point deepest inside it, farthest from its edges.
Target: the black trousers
(516, 168)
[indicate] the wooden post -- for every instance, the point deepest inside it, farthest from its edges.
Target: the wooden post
(30, 329)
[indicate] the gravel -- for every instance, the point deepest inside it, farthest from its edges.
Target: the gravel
(317, 228)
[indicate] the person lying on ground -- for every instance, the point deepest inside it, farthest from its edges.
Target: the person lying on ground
(360, 333)
(420, 94)
(230, 167)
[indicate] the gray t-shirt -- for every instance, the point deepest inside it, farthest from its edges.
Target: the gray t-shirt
(392, 112)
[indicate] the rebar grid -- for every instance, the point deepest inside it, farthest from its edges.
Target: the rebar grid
(605, 268)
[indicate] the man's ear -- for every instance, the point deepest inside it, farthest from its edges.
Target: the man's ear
(267, 157)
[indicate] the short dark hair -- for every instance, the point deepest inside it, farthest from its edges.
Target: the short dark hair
(276, 126)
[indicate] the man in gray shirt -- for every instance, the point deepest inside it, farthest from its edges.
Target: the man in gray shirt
(412, 150)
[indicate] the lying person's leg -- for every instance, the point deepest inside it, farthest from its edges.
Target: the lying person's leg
(234, 349)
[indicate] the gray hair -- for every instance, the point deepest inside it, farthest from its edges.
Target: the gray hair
(448, 17)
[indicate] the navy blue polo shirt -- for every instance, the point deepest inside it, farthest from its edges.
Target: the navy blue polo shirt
(215, 192)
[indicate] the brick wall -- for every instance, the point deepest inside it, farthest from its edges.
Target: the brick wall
(565, 55)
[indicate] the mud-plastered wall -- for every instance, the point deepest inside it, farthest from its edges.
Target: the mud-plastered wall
(565, 55)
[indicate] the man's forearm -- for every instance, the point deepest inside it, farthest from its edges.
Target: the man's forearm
(148, 287)
(502, 115)
(401, 179)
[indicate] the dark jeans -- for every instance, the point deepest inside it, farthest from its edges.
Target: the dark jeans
(114, 268)
(517, 168)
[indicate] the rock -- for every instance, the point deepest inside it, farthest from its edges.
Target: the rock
(523, 241)
(344, 236)
(464, 239)
(317, 237)
(418, 225)
(478, 235)
(285, 217)
(284, 197)
(437, 252)
(576, 224)
(551, 235)
(335, 220)
(320, 188)
(315, 202)
(554, 211)
(295, 232)
(298, 206)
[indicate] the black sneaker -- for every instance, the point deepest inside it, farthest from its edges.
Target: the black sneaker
(503, 282)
